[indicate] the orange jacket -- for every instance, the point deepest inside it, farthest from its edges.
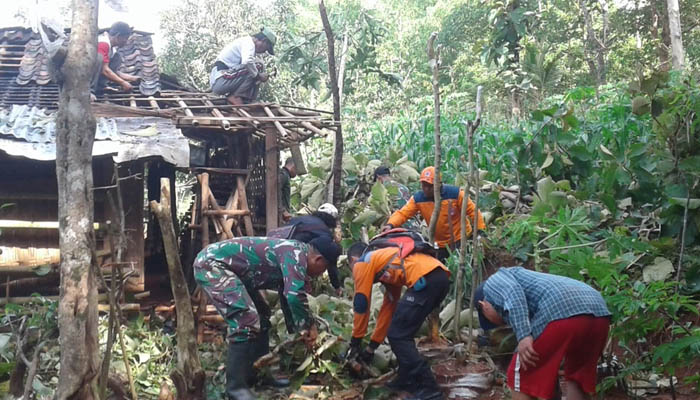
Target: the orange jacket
(369, 270)
(451, 201)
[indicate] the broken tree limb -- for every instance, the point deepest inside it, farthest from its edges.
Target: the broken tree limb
(273, 356)
(471, 128)
(188, 377)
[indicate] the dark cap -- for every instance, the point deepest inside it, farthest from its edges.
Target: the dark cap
(483, 321)
(120, 29)
(381, 170)
(330, 250)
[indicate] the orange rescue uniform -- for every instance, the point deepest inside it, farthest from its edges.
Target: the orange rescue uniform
(450, 209)
(370, 269)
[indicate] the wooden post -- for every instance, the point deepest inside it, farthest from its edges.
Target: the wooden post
(204, 195)
(272, 157)
(189, 376)
(243, 201)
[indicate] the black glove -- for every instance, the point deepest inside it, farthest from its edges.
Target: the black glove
(354, 350)
(367, 354)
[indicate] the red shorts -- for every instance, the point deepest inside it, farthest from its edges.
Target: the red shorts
(578, 340)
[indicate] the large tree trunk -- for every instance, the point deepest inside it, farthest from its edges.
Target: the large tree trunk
(332, 71)
(189, 376)
(674, 19)
(75, 132)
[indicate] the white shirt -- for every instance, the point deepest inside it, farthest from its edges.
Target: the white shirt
(240, 52)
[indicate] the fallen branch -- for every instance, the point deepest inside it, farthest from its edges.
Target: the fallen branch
(273, 356)
(378, 380)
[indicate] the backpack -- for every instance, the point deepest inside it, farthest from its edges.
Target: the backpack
(303, 228)
(407, 241)
(283, 232)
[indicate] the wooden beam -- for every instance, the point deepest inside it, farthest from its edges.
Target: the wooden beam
(231, 171)
(228, 213)
(304, 124)
(272, 156)
(243, 201)
(17, 224)
(215, 112)
(204, 193)
(217, 211)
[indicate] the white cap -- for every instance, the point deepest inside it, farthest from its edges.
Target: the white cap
(329, 209)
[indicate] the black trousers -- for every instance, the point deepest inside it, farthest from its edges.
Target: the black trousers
(413, 308)
(443, 253)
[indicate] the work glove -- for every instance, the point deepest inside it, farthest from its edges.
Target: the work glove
(367, 354)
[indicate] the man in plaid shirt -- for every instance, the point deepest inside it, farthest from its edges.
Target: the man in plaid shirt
(553, 318)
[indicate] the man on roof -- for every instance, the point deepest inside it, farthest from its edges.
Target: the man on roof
(108, 61)
(399, 317)
(236, 74)
(448, 231)
(233, 272)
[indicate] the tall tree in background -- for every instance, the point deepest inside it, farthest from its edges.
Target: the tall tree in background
(75, 133)
(674, 18)
(332, 72)
(596, 42)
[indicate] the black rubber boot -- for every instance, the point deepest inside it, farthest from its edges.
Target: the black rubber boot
(428, 386)
(401, 384)
(261, 346)
(238, 366)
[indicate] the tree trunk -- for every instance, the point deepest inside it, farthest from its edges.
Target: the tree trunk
(332, 71)
(595, 45)
(341, 70)
(434, 62)
(674, 19)
(189, 376)
(75, 133)
(660, 18)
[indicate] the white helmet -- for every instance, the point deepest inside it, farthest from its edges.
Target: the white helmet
(329, 209)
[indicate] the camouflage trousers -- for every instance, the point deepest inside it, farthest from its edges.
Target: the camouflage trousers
(229, 295)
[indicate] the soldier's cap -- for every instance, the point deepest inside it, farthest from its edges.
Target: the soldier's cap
(329, 249)
(428, 175)
(271, 37)
(381, 170)
(483, 321)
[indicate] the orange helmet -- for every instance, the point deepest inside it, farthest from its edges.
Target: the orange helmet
(428, 175)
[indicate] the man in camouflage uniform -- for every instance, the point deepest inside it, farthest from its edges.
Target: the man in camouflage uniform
(233, 272)
(400, 194)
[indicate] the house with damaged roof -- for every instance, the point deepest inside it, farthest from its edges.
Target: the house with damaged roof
(161, 129)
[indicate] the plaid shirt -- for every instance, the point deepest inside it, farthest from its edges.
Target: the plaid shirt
(529, 300)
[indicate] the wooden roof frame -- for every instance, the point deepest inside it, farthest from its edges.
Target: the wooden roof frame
(204, 110)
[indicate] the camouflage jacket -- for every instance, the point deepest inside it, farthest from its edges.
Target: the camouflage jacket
(264, 263)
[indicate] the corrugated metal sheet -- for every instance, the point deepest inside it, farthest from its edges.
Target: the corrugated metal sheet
(31, 132)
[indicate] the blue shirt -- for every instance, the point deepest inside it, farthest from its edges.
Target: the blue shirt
(529, 300)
